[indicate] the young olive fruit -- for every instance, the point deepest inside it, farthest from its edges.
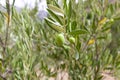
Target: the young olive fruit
(72, 40)
(111, 20)
(60, 39)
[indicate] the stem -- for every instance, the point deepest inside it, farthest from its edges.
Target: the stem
(3, 46)
(8, 23)
(97, 67)
(3, 77)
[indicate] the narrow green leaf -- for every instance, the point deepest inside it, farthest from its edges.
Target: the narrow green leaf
(78, 32)
(55, 23)
(69, 9)
(55, 16)
(73, 25)
(76, 56)
(54, 26)
(118, 65)
(56, 4)
(106, 28)
(57, 10)
(101, 37)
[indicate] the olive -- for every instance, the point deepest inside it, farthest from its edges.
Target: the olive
(60, 39)
(72, 40)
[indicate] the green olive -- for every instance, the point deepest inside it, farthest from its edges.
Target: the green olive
(111, 20)
(59, 39)
(72, 40)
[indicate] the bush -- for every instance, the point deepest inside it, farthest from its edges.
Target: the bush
(89, 43)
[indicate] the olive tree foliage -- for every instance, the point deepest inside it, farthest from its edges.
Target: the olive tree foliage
(80, 38)
(92, 23)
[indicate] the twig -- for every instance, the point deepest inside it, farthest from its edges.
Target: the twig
(97, 56)
(3, 46)
(8, 23)
(3, 77)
